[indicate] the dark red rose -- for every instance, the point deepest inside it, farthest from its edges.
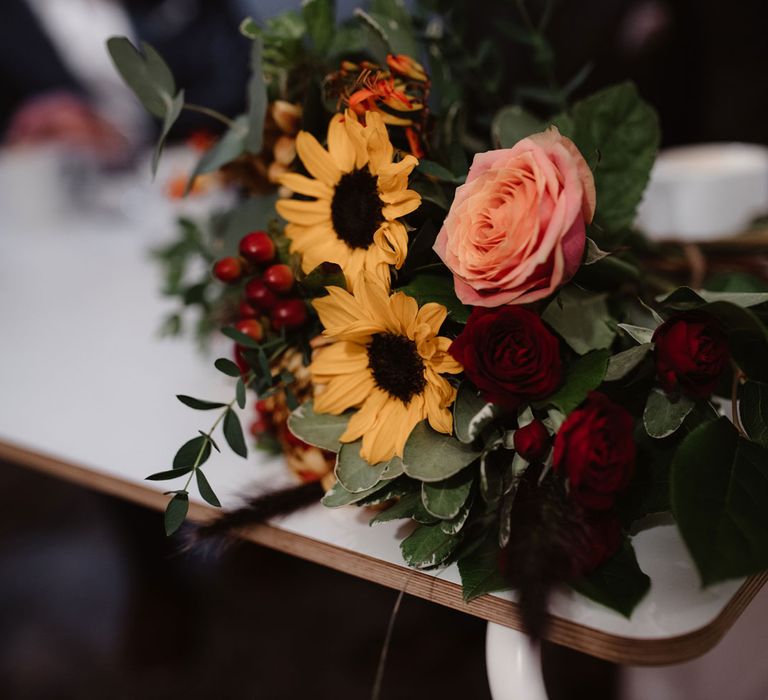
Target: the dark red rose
(602, 539)
(532, 441)
(509, 355)
(691, 354)
(595, 449)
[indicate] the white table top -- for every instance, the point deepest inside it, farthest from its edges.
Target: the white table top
(84, 378)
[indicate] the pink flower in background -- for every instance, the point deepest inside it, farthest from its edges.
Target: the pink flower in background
(516, 228)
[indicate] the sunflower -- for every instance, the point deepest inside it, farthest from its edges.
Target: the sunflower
(359, 194)
(386, 361)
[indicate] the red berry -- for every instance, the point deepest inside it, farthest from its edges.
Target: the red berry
(258, 427)
(228, 270)
(250, 327)
(247, 311)
(279, 278)
(261, 406)
(257, 246)
(259, 295)
(289, 313)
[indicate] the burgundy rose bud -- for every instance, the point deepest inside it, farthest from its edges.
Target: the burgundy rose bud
(532, 441)
(595, 449)
(509, 355)
(691, 354)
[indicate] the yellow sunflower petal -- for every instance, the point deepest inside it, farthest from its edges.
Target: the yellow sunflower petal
(365, 418)
(305, 185)
(343, 392)
(392, 237)
(311, 213)
(404, 309)
(340, 146)
(357, 137)
(338, 309)
(316, 159)
(340, 358)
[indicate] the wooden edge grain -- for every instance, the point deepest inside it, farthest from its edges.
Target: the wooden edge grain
(622, 650)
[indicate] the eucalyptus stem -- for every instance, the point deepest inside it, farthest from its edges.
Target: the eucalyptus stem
(247, 382)
(218, 116)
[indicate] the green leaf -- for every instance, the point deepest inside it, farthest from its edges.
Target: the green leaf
(432, 169)
(512, 124)
(480, 573)
(735, 282)
(719, 492)
(257, 101)
(593, 254)
(241, 338)
(638, 333)
(618, 134)
(582, 319)
(661, 416)
(582, 376)
(455, 525)
(471, 413)
(240, 392)
(408, 506)
(248, 28)
(146, 74)
(227, 367)
(428, 287)
(169, 474)
(187, 456)
(233, 433)
(320, 18)
(428, 546)
(745, 300)
(319, 429)
(391, 20)
(171, 115)
(619, 583)
(205, 489)
(176, 512)
(753, 410)
(621, 364)
(199, 404)
(393, 489)
(393, 468)
(230, 146)
(445, 499)
(338, 496)
(354, 473)
(433, 456)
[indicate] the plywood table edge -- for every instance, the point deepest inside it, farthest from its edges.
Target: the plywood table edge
(611, 647)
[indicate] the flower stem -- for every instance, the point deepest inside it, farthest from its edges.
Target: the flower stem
(210, 113)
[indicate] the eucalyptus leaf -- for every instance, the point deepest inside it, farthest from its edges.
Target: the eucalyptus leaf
(582, 376)
(169, 474)
(338, 496)
(169, 119)
(354, 473)
(471, 413)
(621, 364)
(319, 429)
(432, 456)
(192, 453)
(444, 499)
(227, 367)
(176, 512)
(662, 416)
(455, 525)
(428, 546)
(753, 410)
(719, 491)
(199, 404)
(512, 124)
(638, 333)
(241, 338)
(233, 433)
(319, 16)
(229, 147)
(619, 583)
(205, 489)
(407, 506)
(257, 100)
(240, 392)
(582, 319)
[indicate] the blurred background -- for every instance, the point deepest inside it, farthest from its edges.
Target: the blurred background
(94, 601)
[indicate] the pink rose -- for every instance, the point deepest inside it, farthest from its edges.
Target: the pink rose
(516, 228)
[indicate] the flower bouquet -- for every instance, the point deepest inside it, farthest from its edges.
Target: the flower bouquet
(442, 307)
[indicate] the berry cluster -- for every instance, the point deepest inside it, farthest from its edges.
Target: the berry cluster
(267, 291)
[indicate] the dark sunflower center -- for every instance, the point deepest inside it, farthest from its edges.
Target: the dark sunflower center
(396, 366)
(356, 208)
